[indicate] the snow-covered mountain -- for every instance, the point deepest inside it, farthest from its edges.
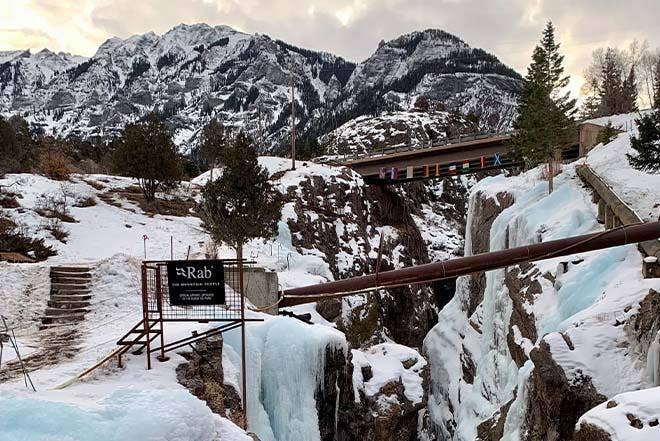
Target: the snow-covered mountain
(197, 71)
(391, 130)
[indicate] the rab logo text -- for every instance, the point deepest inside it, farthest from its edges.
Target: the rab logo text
(190, 272)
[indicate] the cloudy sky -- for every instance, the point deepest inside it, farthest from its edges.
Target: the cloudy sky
(350, 28)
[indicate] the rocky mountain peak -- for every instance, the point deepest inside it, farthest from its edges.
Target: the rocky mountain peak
(194, 72)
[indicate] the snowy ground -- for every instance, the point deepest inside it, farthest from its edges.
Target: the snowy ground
(285, 356)
(637, 189)
(613, 416)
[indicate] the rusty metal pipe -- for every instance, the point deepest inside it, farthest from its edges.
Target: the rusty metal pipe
(472, 264)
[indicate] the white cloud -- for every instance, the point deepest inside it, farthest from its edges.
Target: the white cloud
(350, 28)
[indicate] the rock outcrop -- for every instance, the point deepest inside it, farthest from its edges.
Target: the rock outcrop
(387, 415)
(554, 403)
(349, 240)
(203, 375)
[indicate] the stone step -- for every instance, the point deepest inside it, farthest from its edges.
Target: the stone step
(67, 286)
(54, 273)
(82, 292)
(79, 284)
(70, 297)
(76, 290)
(69, 281)
(68, 304)
(50, 312)
(71, 269)
(62, 319)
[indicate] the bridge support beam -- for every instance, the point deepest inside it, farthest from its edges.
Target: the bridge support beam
(609, 218)
(601, 211)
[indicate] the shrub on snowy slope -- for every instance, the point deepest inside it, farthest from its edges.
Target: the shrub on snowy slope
(18, 151)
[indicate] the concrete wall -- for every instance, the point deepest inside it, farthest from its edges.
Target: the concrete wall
(261, 288)
(588, 137)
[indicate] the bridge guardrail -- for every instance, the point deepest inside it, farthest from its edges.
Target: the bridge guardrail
(443, 142)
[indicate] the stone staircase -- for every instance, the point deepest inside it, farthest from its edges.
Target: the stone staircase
(70, 295)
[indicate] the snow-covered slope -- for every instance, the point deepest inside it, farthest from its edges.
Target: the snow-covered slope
(193, 72)
(391, 130)
(637, 189)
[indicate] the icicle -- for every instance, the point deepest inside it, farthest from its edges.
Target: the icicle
(653, 361)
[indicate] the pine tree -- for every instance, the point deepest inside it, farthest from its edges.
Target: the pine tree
(628, 102)
(611, 89)
(545, 119)
(309, 149)
(647, 144)
(241, 204)
(145, 151)
(607, 134)
(656, 87)
(214, 142)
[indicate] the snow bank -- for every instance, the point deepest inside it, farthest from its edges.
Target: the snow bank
(386, 361)
(623, 121)
(169, 415)
(102, 230)
(643, 405)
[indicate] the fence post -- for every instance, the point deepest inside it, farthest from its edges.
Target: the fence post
(159, 305)
(145, 312)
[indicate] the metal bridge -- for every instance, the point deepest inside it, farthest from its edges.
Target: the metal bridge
(464, 155)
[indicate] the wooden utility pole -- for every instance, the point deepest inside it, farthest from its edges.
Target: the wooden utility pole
(293, 124)
(261, 132)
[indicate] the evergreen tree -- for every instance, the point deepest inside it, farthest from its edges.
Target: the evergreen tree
(241, 204)
(18, 149)
(656, 87)
(611, 89)
(628, 102)
(8, 147)
(545, 114)
(145, 151)
(214, 142)
(607, 134)
(647, 144)
(590, 107)
(309, 149)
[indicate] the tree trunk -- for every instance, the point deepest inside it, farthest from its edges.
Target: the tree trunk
(212, 167)
(551, 175)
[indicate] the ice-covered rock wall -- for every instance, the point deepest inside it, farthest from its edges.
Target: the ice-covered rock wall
(521, 353)
(286, 366)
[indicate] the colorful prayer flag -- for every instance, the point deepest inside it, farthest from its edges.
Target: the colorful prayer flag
(437, 169)
(395, 173)
(426, 171)
(483, 162)
(466, 165)
(452, 169)
(409, 172)
(382, 173)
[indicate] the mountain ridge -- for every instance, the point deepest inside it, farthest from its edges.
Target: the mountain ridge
(194, 72)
